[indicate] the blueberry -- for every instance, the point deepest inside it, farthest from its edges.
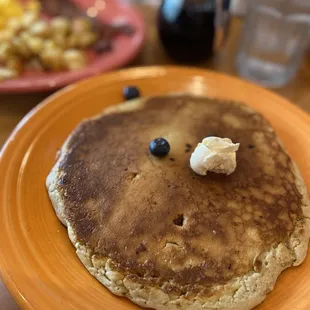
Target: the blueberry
(159, 147)
(131, 92)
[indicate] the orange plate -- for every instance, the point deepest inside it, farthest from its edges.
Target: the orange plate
(38, 262)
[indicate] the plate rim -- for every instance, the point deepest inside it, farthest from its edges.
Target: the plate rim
(138, 72)
(150, 71)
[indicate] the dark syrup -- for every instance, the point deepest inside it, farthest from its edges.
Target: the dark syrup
(187, 29)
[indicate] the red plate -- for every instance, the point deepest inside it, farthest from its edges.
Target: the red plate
(124, 50)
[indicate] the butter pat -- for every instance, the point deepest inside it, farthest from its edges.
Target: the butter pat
(216, 155)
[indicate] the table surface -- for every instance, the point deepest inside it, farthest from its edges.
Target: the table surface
(14, 107)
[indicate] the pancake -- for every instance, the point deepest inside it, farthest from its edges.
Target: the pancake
(152, 230)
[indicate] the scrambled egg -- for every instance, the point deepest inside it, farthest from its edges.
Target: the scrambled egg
(9, 8)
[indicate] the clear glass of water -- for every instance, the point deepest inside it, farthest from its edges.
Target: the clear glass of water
(275, 36)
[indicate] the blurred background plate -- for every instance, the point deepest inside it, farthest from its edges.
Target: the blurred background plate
(37, 261)
(125, 48)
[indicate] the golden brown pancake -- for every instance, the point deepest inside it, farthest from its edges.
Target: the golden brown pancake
(152, 230)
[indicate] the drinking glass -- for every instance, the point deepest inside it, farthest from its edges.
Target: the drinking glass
(275, 37)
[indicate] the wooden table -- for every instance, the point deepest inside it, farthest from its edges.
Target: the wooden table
(14, 107)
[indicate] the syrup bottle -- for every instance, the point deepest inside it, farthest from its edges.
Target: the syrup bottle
(191, 30)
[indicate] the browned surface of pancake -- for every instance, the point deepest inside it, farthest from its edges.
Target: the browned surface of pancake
(156, 218)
